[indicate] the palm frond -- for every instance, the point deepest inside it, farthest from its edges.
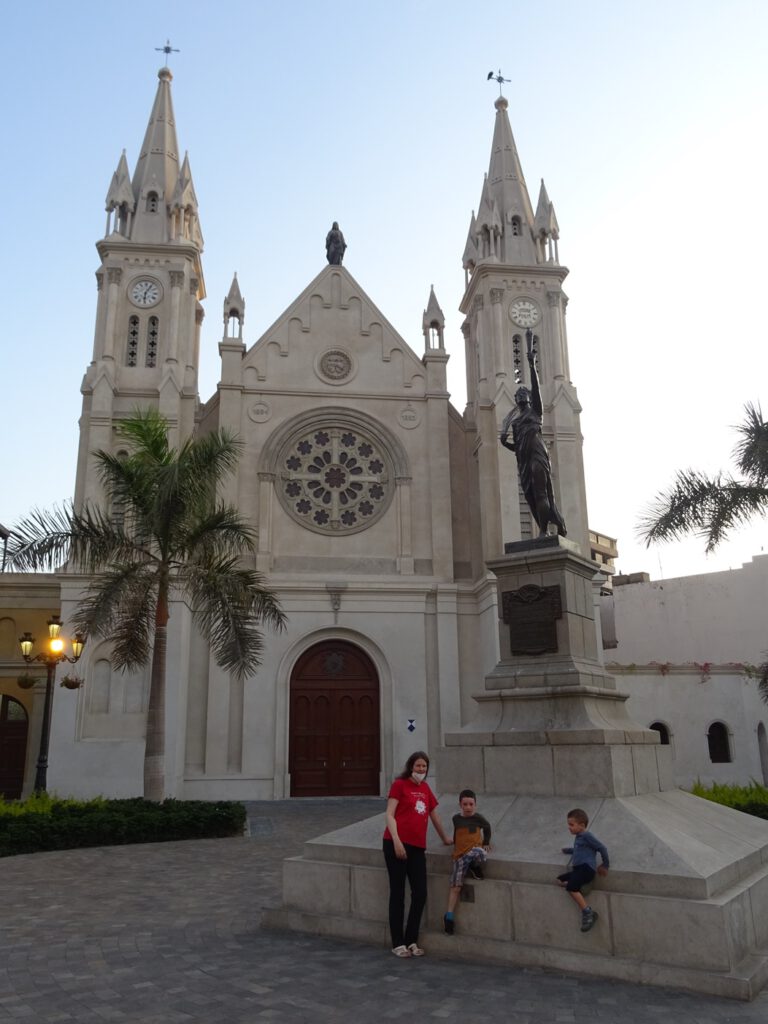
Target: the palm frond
(88, 540)
(751, 452)
(113, 602)
(706, 506)
(229, 605)
(221, 532)
(762, 681)
(41, 541)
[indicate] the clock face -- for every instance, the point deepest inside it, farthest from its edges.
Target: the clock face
(524, 313)
(145, 293)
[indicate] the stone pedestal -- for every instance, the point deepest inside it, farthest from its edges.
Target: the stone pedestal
(550, 720)
(686, 900)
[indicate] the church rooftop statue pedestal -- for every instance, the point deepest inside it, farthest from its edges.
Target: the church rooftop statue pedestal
(683, 902)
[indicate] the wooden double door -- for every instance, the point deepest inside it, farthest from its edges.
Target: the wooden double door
(334, 722)
(13, 747)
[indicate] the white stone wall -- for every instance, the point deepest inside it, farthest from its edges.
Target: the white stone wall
(686, 654)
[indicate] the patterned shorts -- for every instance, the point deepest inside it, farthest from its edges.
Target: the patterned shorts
(460, 865)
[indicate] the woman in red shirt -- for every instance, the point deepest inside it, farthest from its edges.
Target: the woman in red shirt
(410, 804)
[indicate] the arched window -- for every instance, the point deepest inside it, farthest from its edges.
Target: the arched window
(132, 353)
(662, 730)
(152, 202)
(719, 744)
(762, 746)
(153, 329)
(517, 227)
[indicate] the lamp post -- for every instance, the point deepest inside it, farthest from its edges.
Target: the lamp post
(50, 658)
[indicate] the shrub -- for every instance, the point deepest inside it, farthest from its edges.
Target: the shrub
(751, 799)
(47, 823)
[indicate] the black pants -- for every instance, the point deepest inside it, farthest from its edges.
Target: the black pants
(414, 868)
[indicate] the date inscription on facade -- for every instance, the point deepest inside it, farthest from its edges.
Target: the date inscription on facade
(531, 614)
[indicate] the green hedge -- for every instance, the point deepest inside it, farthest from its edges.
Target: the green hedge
(47, 823)
(751, 799)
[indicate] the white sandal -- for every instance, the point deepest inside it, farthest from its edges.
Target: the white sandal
(414, 950)
(402, 951)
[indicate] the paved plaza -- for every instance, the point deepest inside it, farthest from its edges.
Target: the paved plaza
(170, 934)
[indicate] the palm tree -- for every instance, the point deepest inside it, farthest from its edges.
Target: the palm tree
(163, 533)
(712, 506)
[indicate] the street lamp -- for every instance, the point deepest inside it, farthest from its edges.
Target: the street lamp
(50, 658)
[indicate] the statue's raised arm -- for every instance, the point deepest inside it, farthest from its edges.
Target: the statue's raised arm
(524, 423)
(535, 389)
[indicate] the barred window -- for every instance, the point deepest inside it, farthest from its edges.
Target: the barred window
(133, 341)
(152, 334)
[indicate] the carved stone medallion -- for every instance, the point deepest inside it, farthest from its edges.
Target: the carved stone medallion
(335, 365)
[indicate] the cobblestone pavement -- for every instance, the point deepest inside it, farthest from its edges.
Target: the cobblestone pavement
(169, 934)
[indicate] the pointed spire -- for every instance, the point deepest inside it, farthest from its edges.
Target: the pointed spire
(120, 199)
(157, 169)
(433, 322)
(504, 228)
(185, 225)
(120, 189)
(545, 226)
(234, 310)
(470, 257)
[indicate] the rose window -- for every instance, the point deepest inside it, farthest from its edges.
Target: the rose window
(335, 480)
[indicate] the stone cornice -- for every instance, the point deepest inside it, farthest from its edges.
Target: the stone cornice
(546, 272)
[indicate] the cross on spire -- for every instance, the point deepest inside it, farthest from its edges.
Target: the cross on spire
(497, 78)
(168, 50)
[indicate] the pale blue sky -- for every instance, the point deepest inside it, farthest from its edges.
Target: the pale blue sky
(647, 121)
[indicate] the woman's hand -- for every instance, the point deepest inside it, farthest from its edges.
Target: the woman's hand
(399, 850)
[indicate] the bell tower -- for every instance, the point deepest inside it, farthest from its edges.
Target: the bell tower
(514, 281)
(150, 286)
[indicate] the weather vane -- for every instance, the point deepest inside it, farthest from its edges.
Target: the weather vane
(497, 78)
(168, 50)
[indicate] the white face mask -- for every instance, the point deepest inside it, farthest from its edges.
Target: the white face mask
(418, 776)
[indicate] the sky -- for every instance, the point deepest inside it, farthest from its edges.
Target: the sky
(647, 122)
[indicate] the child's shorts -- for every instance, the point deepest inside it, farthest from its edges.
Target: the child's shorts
(461, 864)
(577, 877)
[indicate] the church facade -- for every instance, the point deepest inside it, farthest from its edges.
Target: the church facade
(376, 503)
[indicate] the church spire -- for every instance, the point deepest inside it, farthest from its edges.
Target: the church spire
(503, 231)
(157, 169)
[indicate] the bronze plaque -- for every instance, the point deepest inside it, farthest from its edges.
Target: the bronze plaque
(532, 613)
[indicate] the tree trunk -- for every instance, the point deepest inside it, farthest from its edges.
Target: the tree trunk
(154, 748)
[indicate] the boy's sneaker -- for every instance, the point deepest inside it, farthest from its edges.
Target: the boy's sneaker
(448, 925)
(588, 918)
(475, 871)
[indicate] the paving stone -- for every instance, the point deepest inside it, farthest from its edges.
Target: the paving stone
(170, 934)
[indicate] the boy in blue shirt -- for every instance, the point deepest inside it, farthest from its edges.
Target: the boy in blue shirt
(583, 853)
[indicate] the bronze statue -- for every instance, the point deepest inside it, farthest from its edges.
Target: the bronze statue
(533, 464)
(335, 245)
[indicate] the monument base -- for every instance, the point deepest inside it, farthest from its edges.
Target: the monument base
(684, 901)
(684, 905)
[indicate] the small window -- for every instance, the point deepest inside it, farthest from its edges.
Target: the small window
(152, 202)
(719, 744)
(153, 329)
(662, 730)
(133, 341)
(517, 227)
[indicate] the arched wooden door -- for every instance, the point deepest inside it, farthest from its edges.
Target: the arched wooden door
(13, 747)
(334, 722)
